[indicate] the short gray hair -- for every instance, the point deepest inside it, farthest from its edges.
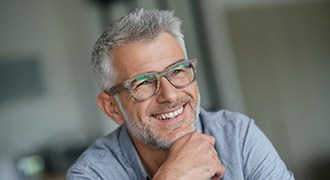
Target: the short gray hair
(139, 25)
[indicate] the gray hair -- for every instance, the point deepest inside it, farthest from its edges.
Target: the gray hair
(139, 25)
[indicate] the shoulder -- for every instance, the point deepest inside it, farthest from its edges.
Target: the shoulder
(239, 136)
(229, 128)
(223, 117)
(104, 157)
(226, 121)
(102, 149)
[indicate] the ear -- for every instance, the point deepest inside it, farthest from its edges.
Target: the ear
(109, 106)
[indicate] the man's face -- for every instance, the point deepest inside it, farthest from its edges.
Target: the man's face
(145, 119)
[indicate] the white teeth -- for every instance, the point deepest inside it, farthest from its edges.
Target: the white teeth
(170, 115)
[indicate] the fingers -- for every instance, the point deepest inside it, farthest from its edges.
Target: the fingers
(206, 141)
(208, 138)
(196, 155)
(219, 168)
(215, 177)
(219, 172)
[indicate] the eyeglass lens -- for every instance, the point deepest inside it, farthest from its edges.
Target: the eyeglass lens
(179, 75)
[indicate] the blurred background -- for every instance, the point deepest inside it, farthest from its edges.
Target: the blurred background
(268, 59)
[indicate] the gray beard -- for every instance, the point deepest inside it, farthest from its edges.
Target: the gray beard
(143, 132)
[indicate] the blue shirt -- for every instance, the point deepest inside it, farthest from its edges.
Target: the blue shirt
(243, 149)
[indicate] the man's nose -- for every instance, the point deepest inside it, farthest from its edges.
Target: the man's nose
(167, 92)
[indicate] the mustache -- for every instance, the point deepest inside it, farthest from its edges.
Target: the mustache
(169, 106)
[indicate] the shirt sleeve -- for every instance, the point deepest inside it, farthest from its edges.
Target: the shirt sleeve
(81, 173)
(261, 161)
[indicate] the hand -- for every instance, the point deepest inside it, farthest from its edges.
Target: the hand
(192, 157)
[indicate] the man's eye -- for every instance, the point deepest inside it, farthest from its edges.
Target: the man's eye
(177, 71)
(144, 83)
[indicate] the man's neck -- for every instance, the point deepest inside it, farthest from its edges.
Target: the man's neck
(151, 158)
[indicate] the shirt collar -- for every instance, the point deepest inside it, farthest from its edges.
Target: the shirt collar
(130, 154)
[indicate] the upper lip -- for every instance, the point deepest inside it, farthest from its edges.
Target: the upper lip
(168, 111)
(170, 115)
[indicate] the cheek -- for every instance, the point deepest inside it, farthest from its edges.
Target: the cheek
(193, 91)
(139, 110)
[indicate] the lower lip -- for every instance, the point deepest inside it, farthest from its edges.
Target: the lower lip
(176, 119)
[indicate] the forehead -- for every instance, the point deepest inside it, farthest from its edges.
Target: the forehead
(137, 58)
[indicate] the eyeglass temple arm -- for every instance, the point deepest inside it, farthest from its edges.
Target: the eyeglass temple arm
(116, 88)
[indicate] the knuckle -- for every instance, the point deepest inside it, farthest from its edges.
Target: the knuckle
(221, 168)
(212, 139)
(190, 135)
(195, 134)
(209, 138)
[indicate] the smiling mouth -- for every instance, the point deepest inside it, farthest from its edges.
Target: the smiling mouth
(169, 115)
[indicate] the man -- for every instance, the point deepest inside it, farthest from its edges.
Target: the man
(148, 87)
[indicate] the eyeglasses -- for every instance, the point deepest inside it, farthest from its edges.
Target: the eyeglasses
(143, 87)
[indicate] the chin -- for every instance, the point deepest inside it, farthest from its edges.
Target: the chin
(180, 133)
